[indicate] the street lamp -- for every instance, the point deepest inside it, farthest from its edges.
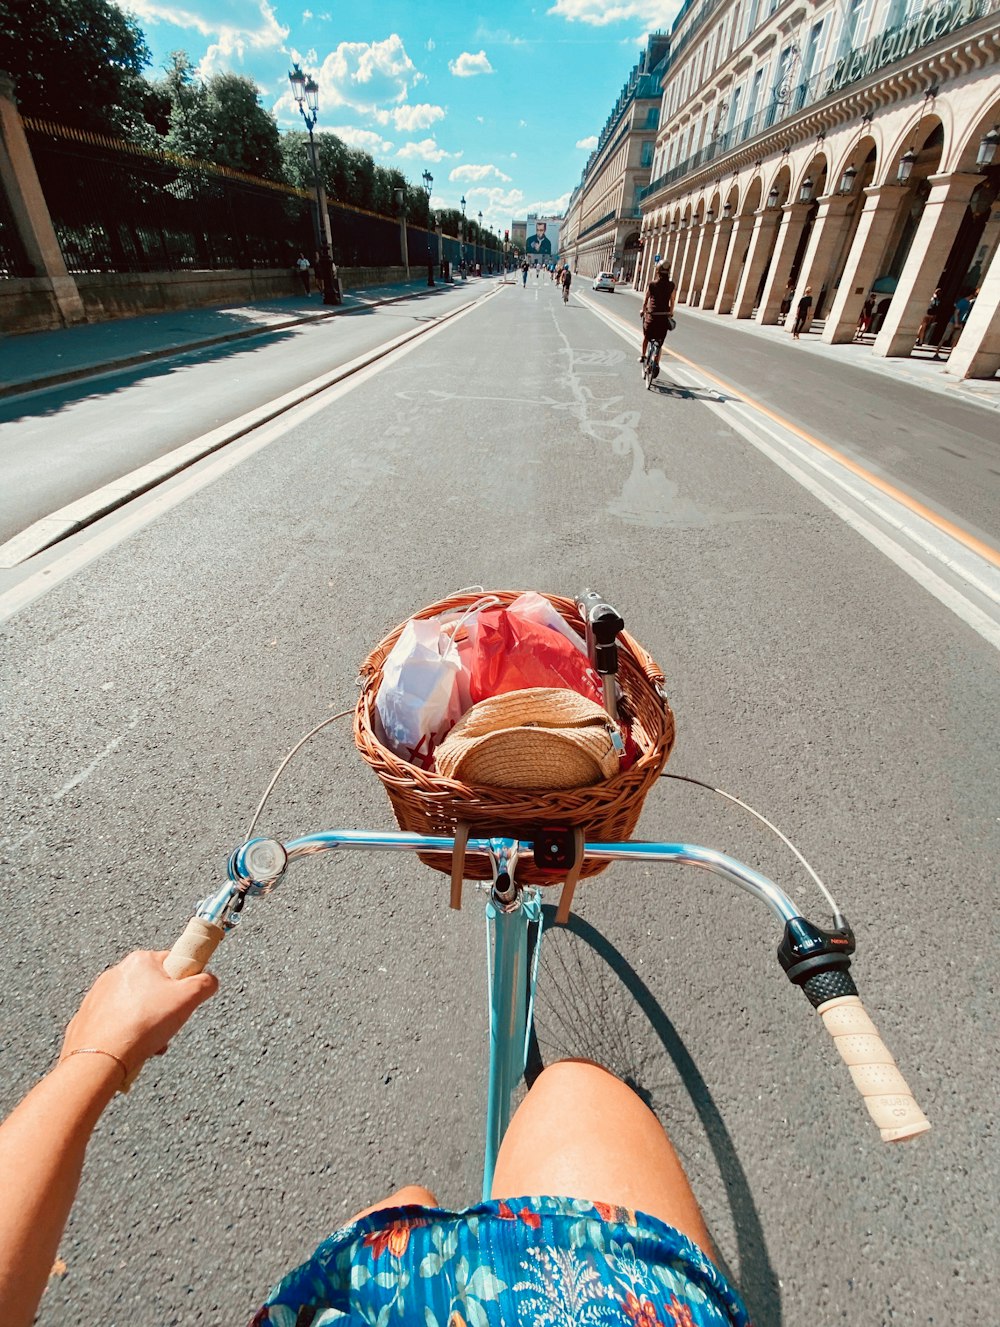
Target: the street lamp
(846, 185)
(481, 244)
(428, 182)
(461, 240)
(988, 147)
(905, 167)
(772, 197)
(401, 200)
(305, 90)
(806, 192)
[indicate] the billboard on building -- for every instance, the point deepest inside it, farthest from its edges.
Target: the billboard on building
(518, 231)
(542, 239)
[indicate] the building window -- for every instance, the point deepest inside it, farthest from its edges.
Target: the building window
(647, 155)
(653, 117)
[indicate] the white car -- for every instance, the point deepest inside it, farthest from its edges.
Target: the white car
(604, 281)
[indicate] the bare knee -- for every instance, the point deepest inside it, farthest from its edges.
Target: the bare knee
(410, 1195)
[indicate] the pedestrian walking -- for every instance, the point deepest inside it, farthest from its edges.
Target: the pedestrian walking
(931, 315)
(802, 314)
(524, 273)
(958, 319)
(786, 301)
(302, 268)
(865, 316)
(565, 280)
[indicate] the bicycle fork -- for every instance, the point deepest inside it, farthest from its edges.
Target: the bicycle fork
(510, 914)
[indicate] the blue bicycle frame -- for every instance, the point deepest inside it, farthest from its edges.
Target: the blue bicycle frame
(512, 910)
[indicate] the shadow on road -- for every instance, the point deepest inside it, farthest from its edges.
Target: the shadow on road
(580, 1012)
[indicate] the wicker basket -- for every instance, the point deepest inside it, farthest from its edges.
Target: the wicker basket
(426, 803)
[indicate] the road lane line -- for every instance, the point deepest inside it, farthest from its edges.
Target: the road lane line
(974, 544)
(77, 515)
(161, 500)
(816, 468)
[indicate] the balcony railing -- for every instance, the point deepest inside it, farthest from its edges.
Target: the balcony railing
(891, 45)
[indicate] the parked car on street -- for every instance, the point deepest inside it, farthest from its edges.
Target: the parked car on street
(604, 281)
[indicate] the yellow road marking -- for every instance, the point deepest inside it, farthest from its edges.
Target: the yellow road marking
(969, 541)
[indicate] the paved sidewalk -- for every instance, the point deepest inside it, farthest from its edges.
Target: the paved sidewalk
(41, 359)
(919, 369)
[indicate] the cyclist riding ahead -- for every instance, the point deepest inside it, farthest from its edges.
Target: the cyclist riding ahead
(658, 311)
(565, 279)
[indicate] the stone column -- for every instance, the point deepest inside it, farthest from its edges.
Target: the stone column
(716, 257)
(977, 354)
(821, 251)
(865, 261)
(765, 224)
(19, 180)
(698, 265)
(936, 231)
(733, 262)
(793, 219)
(686, 250)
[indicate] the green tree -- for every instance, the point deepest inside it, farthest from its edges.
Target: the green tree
(78, 62)
(219, 120)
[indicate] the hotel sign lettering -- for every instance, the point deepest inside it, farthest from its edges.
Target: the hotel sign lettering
(899, 42)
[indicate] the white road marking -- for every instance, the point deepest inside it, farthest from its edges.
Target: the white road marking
(143, 513)
(822, 476)
(101, 755)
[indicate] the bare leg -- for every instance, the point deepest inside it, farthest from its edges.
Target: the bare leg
(411, 1195)
(581, 1133)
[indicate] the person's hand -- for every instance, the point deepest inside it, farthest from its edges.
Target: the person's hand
(133, 1009)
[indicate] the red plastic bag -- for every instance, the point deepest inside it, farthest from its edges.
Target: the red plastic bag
(510, 652)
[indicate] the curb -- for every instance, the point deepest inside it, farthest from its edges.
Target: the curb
(148, 356)
(77, 515)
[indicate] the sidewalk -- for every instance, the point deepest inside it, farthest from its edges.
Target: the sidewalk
(919, 369)
(44, 359)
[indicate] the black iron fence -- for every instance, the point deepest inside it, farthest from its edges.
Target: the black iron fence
(119, 208)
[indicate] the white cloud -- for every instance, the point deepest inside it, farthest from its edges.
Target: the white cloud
(552, 207)
(366, 139)
(468, 65)
(522, 124)
(430, 43)
(513, 156)
(477, 173)
(230, 39)
(588, 144)
(306, 15)
(367, 76)
(408, 119)
(653, 14)
(426, 150)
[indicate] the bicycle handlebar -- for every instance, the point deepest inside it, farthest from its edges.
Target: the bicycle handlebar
(814, 959)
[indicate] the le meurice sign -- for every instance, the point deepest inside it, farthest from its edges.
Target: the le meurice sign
(899, 42)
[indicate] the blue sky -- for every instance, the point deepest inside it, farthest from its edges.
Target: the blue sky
(500, 102)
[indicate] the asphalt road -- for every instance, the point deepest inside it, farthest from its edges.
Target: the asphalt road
(154, 688)
(60, 443)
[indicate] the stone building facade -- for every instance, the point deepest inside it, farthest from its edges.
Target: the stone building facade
(845, 146)
(601, 229)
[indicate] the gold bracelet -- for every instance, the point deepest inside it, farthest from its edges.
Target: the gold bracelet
(96, 1050)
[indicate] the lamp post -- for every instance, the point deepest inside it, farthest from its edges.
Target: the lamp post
(461, 241)
(305, 90)
(401, 200)
(428, 179)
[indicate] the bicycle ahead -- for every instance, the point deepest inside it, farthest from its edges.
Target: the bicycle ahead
(650, 364)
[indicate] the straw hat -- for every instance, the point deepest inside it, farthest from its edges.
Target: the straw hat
(538, 738)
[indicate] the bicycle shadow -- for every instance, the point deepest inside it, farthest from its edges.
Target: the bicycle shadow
(681, 393)
(758, 1280)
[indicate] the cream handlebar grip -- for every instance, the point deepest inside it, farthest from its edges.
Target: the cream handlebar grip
(193, 949)
(890, 1102)
(190, 954)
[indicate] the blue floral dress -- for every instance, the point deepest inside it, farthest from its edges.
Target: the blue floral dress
(543, 1261)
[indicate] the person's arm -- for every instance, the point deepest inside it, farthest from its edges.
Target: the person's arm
(130, 1013)
(673, 301)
